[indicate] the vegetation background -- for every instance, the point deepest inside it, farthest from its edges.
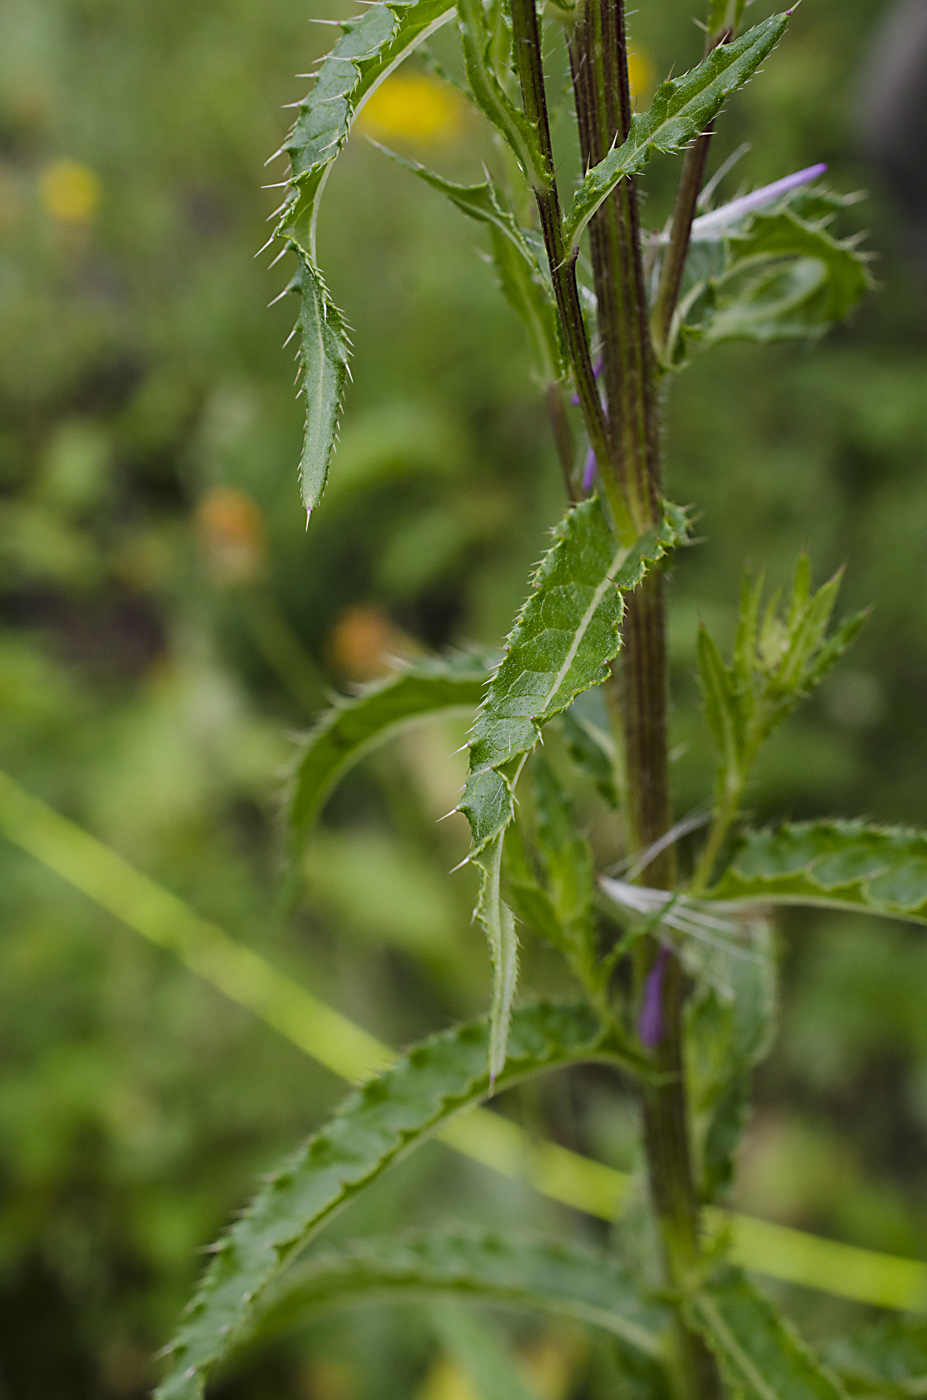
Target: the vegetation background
(168, 627)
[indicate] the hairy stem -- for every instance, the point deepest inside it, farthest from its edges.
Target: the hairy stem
(674, 259)
(598, 57)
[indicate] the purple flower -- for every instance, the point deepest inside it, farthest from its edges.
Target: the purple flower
(708, 226)
(650, 1021)
(589, 468)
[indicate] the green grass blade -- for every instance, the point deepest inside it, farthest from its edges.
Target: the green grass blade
(839, 864)
(760, 1355)
(682, 108)
(383, 1121)
(354, 727)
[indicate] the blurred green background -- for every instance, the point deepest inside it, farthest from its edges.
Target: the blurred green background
(168, 627)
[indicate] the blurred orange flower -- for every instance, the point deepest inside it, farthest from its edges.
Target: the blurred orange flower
(232, 535)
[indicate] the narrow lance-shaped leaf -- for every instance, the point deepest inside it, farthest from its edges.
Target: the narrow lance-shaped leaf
(682, 108)
(760, 1355)
(587, 1285)
(491, 98)
(563, 642)
(838, 864)
(521, 276)
(353, 727)
(367, 52)
(383, 1121)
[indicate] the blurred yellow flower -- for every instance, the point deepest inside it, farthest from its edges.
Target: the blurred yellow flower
(640, 73)
(413, 107)
(70, 191)
(232, 535)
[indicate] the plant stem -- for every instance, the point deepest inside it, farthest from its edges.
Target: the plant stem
(598, 57)
(527, 54)
(674, 259)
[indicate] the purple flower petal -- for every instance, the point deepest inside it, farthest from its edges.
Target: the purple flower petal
(708, 225)
(650, 1021)
(589, 467)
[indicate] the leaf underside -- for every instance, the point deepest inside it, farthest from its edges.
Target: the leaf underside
(586, 1285)
(355, 726)
(759, 1354)
(841, 864)
(382, 1122)
(563, 642)
(682, 108)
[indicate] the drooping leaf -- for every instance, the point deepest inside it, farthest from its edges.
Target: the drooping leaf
(589, 1286)
(562, 643)
(370, 47)
(521, 276)
(324, 352)
(383, 1121)
(682, 108)
(888, 1358)
(343, 735)
(838, 864)
(759, 1353)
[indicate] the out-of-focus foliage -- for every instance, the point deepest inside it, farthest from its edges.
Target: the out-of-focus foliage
(168, 624)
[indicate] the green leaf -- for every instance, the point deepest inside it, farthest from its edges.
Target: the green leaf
(324, 351)
(724, 17)
(759, 1354)
(568, 863)
(589, 1286)
(838, 864)
(888, 1358)
(521, 276)
(724, 710)
(344, 734)
(682, 108)
(783, 278)
(562, 643)
(490, 96)
(382, 1122)
(730, 1023)
(370, 47)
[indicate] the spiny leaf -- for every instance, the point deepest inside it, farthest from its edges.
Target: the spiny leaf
(682, 108)
(370, 47)
(838, 864)
(324, 351)
(587, 1285)
(521, 276)
(759, 1353)
(562, 643)
(383, 1121)
(353, 727)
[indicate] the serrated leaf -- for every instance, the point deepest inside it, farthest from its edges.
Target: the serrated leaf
(386, 1119)
(682, 108)
(783, 278)
(722, 702)
(837, 864)
(355, 726)
(759, 1353)
(324, 352)
(521, 276)
(563, 641)
(587, 1285)
(370, 47)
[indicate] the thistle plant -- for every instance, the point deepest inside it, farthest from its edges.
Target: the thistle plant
(672, 956)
